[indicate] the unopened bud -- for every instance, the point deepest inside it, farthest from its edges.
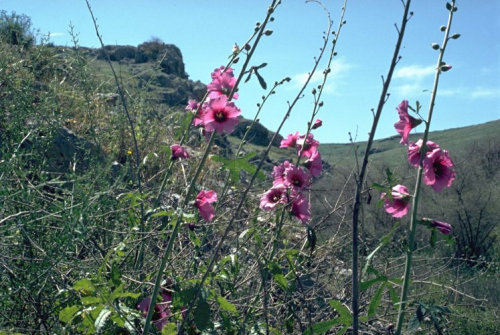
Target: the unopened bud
(246, 47)
(442, 28)
(455, 36)
(435, 46)
(445, 67)
(268, 32)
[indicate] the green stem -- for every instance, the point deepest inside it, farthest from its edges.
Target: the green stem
(177, 224)
(414, 219)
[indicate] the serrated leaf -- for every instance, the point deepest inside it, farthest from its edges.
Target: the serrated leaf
(162, 213)
(226, 305)
(392, 294)
(101, 319)
(321, 327)
(68, 313)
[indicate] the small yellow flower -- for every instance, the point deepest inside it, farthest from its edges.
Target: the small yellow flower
(129, 152)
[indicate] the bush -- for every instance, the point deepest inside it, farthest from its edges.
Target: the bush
(15, 29)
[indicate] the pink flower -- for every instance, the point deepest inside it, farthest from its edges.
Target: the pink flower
(290, 141)
(223, 82)
(438, 169)
(279, 173)
(415, 148)
(220, 115)
(318, 123)
(310, 145)
(400, 203)
(273, 197)
(443, 227)
(193, 106)
(203, 203)
(178, 152)
(162, 309)
(406, 122)
(301, 209)
(296, 178)
(314, 164)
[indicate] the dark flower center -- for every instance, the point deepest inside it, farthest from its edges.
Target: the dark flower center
(220, 116)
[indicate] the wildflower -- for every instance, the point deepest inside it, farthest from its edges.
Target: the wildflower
(203, 203)
(279, 173)
(193, 106)
(406, 122)
(301, 209)
(296, 178)
(438, 169)
(318, 123)
(306, 146)
(443, 227)
(415, 148)
(178, 152)
(290, 141)
(314, 164)
(400, 203)
(220, 115)
(273, 197)
(162, 309)
(222, 84)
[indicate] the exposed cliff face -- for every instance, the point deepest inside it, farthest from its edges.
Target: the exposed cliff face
(170, 81)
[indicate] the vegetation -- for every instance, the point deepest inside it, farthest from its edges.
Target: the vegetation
(97, 208)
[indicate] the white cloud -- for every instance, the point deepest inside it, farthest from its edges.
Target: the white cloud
(50, 35)
(483, 92)
(414, 72)
(339, 70)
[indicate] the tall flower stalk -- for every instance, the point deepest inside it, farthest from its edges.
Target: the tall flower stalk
(440, 67)
(362, 173)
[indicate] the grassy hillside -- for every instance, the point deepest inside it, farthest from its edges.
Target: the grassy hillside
(90, 196)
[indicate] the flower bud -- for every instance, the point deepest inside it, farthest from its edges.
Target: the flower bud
(445, 67)
(442, 28)
(435, 46)
(455, 36)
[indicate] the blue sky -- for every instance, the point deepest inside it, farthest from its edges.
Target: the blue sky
(205, 31)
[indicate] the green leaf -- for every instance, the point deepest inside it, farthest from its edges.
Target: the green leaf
(68, 313)
(345, 316)
(84, 285)
(101, 319)
(169, 329)
(281, 281)
(363, 286)
(372, 307)
(116, 275)
(201, 315)
(226, 305)
(91, 300)
(162, 213)
(236, 165)
(321, 327)
(379, 187)
(392, 293)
